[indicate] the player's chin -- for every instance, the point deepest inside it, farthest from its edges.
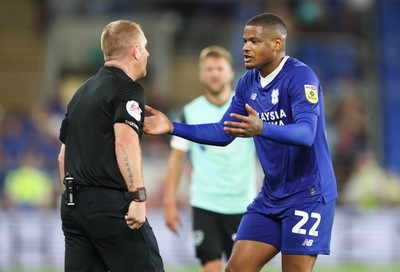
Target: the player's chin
(216, 88)
(249, 65)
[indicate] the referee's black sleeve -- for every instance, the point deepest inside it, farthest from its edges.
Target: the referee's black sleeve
(64, 130)
(129, 104)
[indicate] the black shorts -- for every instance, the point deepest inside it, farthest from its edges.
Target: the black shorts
(214, 234)
(97, 237)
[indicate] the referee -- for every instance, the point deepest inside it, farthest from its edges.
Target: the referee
(103, 208)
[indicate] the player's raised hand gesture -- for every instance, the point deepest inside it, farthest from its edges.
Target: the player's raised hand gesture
(157, 123)
(249, 126)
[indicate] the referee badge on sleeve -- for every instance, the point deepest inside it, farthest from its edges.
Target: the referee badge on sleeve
(311, 93)
(132, 107)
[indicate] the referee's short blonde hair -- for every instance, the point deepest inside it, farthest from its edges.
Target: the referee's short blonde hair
(117, 37)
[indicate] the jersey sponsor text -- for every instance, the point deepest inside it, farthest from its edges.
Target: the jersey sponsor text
(273, 117)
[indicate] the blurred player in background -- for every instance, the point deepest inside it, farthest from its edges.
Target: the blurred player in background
(279, 102)
(222, 179)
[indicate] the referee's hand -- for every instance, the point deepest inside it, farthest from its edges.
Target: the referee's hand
(136, 215)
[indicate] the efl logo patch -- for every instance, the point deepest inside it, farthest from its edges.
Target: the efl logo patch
(311, 93)
(132, 107)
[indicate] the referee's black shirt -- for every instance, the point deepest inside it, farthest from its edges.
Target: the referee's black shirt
(87, 130)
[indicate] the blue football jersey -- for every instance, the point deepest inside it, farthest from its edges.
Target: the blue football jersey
(293, 174)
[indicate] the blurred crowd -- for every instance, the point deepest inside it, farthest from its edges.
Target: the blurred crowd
(29, 142)
(29, 147)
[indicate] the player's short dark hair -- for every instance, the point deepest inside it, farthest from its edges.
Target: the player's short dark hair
(269, 21)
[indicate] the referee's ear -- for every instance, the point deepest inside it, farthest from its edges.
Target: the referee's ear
(133, 51)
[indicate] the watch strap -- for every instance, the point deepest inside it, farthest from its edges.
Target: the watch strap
(138, 196)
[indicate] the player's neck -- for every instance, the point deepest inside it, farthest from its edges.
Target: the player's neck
(219, 99)
(268, 69)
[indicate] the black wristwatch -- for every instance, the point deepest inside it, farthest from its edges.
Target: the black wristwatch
(137, 196)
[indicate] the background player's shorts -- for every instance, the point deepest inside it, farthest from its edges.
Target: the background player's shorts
(304, 229)
(214, 234)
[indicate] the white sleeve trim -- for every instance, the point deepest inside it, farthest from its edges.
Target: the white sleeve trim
(180, 143)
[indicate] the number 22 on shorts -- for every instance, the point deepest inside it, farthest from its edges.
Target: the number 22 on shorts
(304, 218)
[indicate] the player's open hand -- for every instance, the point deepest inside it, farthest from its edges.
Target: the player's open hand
(249, 126)
(157, 123)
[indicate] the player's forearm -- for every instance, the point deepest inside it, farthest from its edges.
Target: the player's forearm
(175, 167)
(210, 134)
(302, 133)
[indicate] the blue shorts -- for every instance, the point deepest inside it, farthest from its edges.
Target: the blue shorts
(304, 229)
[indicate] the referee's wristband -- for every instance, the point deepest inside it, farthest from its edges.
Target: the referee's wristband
(138, 196)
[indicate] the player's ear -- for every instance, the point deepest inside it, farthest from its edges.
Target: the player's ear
(278, 43)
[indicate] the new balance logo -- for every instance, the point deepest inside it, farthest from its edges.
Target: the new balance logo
(307, 242)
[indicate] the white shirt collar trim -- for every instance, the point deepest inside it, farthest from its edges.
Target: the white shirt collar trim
(267, 80)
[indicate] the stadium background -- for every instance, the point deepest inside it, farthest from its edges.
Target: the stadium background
(49, 47)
